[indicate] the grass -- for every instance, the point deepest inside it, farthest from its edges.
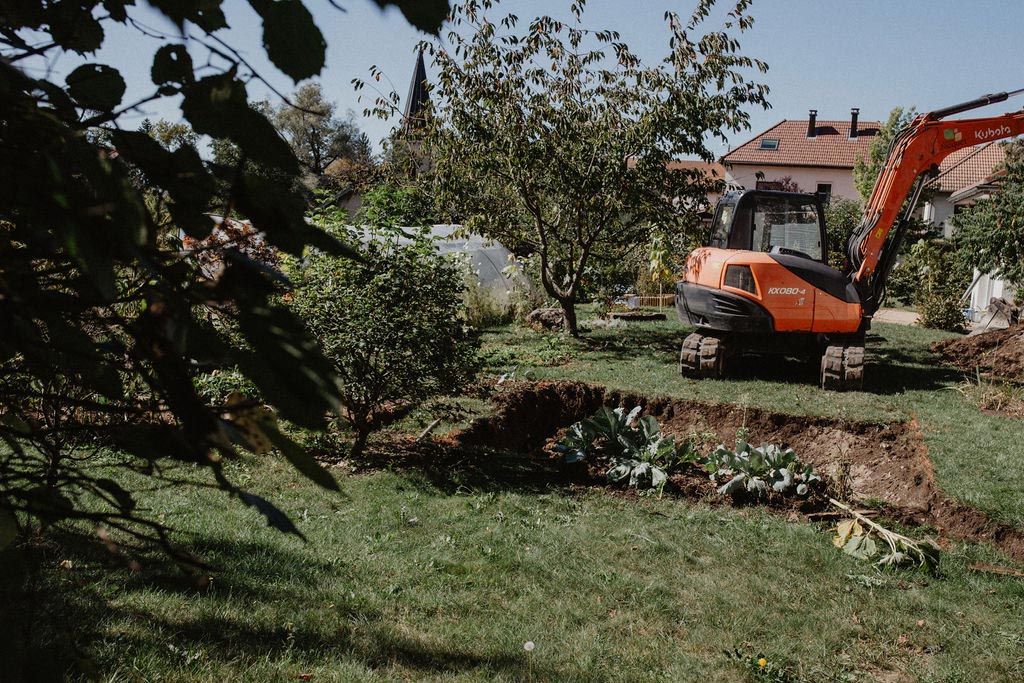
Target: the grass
(411, 576)
(404, 580)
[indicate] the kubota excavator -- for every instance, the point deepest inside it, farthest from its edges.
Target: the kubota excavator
(762, 284)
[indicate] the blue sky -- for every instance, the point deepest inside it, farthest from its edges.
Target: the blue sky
(823, 54)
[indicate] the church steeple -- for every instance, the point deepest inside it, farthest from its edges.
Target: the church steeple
(418, 101)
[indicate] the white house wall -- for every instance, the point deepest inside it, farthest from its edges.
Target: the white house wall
(807, 179)
(938, 210)
(986, 288)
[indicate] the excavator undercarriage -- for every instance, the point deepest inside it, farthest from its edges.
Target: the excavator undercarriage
(707, 354)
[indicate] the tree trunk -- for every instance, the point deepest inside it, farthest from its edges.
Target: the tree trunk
(359, 445)
(569, 308)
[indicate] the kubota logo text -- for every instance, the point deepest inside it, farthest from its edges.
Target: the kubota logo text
(1000, 132)
(786, 290)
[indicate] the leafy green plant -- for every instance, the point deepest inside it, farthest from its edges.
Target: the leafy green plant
(856, 537)
(641, 454)
(758, 470)
(105, 319)
(391, 325)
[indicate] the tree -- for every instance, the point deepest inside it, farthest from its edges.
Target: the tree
(170, 135)
(105, 321)
(842, 216)
(555, 139)
(392, 324)
(990, 235)
(315, 134)
(865, 171)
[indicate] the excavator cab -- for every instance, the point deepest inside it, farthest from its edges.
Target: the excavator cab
(772, 222)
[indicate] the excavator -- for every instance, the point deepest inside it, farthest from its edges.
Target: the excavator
(762, 284)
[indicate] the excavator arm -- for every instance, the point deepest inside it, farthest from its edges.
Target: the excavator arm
(913, 158)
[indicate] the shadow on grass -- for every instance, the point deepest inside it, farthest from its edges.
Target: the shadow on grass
(449, 468)
(55, 620)
(629, 342)
(892, 366)
(894, 369)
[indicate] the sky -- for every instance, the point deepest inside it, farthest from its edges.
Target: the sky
(822, 54)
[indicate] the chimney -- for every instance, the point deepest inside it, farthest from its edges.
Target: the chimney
(853, 122)
(812, 128)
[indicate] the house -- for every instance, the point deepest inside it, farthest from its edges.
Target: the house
(960, 172)
(812, 155)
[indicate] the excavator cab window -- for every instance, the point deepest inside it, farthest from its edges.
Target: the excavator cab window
(773, 222)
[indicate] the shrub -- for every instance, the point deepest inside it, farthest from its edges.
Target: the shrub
(484, 306)
(939, 280)
(393, 325)
(488, 304)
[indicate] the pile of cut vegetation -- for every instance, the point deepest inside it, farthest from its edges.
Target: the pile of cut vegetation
(997, 352)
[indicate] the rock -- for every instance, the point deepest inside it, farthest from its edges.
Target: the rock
(544, 319)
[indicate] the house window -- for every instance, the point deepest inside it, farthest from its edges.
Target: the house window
(769, 143)
(825, 192)
(769, 185)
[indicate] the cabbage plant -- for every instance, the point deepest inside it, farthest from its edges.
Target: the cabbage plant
(758, 470)
(640, 453)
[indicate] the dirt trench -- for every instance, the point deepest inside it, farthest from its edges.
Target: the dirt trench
(887, 464)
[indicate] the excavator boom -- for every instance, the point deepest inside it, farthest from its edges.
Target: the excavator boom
(914, 155)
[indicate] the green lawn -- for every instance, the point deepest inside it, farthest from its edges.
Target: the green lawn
(416, 577)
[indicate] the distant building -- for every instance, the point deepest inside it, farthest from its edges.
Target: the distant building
(959, 172)
(417, 103)
(818, 156)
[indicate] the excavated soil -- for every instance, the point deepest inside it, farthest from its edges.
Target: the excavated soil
(998, 352)
(881, 464)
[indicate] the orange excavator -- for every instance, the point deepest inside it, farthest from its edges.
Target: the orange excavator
(762, 284)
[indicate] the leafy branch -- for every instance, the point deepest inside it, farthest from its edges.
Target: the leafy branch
(854, 540)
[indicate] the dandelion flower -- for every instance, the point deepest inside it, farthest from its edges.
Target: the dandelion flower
(528, 646)
(762, 662)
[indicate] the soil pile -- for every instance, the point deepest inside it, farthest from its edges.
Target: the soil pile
(885, 464)
(998, 352)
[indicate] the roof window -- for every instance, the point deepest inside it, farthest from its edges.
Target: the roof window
(769, 143)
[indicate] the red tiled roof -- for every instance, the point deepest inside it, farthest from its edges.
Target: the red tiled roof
(980, 188)
(967, 167)
(830, 148)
